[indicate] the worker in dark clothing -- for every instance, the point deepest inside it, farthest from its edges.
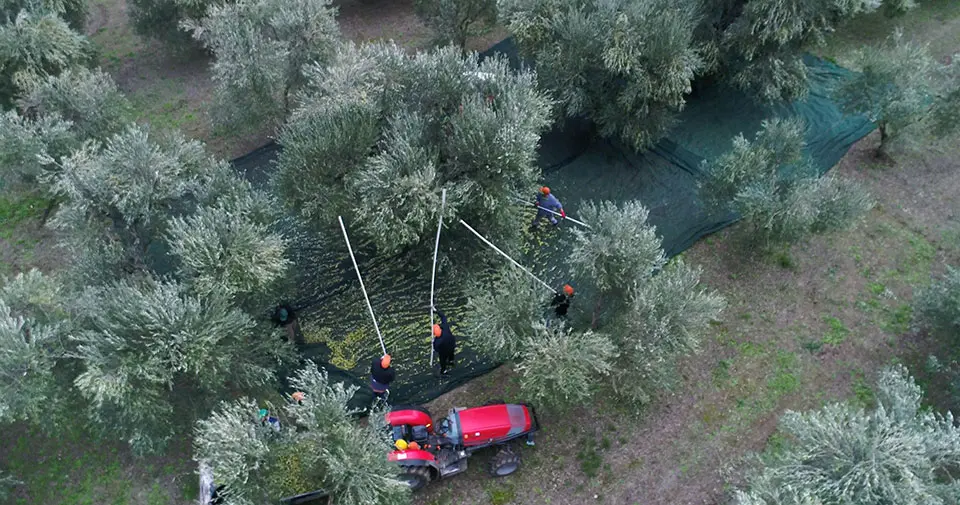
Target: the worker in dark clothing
(547, 202)
(561, 302)
(444, 343)
(381, 375)
(286, 318)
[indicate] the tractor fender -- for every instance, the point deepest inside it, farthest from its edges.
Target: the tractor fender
(411, 416)
(413, 458)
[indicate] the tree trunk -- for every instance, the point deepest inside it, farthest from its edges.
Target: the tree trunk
(46, 212)
(596, 314)
(884, 138)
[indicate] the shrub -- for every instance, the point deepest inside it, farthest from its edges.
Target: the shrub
(898, 453)
(625, 64)
(937, 307)
(89, 99)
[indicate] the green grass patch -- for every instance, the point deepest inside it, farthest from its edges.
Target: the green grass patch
(15, 209)
(76, 468)
(501, 494)
(837, 331)
(590, 458)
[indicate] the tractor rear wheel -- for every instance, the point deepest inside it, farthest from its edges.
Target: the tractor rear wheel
(505, 462)
(415, 477)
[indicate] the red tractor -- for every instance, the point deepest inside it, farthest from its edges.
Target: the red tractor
(441, 449)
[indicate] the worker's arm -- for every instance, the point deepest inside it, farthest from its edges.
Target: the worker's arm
(443, 318)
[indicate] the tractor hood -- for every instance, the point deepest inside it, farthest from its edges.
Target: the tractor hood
(482, 425)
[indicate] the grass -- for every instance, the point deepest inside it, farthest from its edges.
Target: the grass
(15, 209)
(63, 470)
(590, 458)
(501, 494)
(837, 331)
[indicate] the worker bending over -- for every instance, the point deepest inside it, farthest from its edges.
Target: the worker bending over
(444, 343)
(381, 375)
(561, 302)
(547, 202)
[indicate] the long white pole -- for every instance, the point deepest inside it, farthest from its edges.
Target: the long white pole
(362, 288)
(568, 218)
(495, 248)
(433, 277)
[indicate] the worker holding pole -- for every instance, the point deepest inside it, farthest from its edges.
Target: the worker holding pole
(547, 205)
(381, 375)
(561, 302)
(444, 343)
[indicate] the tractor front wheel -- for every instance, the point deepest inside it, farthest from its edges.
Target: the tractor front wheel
(415, 477)
(505, 462)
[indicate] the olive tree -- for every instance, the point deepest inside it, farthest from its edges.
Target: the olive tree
(380, 134)
(170, 252)
(937, 307)
(762, 46)
(260, 50)
(899, 452)
(894, 88)
(32, 329)
(777, 190)
(654, 311)
(502, 314)
(452, 21)
(56, 115)
(946, 113)
(319, 445)
(625, 64)
(34, 44)
(161, 20)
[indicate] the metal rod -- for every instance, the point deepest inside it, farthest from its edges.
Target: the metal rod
(568, 218)
(362, 288)
(433, 276)
(518, 265)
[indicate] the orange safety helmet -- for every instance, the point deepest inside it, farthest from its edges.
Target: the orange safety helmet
(385, 361)
(413, 446)
(568, 289)
(437, 331)
(545, 190)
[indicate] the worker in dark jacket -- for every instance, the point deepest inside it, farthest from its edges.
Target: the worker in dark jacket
(381, 375)
(561, 302)
(444, 343)
(547, 202)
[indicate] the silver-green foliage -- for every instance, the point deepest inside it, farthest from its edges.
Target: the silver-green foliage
(261, 48)
(227, 247)
(502, 315)
(28, 147)
(561, 367)
(34, 44)
(146, 345)
(776, 189)
(89, 99)
(762, 47)
(74, 12)
(452, 21)
(946, 113)
(160, 20)
(894, 88)
(30, 344)
(937, 307)
(625, 64)
(898, 453)
(318, 446)
(653, 311)
(665, 320)
(379, 134)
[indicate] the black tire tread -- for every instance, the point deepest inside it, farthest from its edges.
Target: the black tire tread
(503, 456)
(421, 471)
